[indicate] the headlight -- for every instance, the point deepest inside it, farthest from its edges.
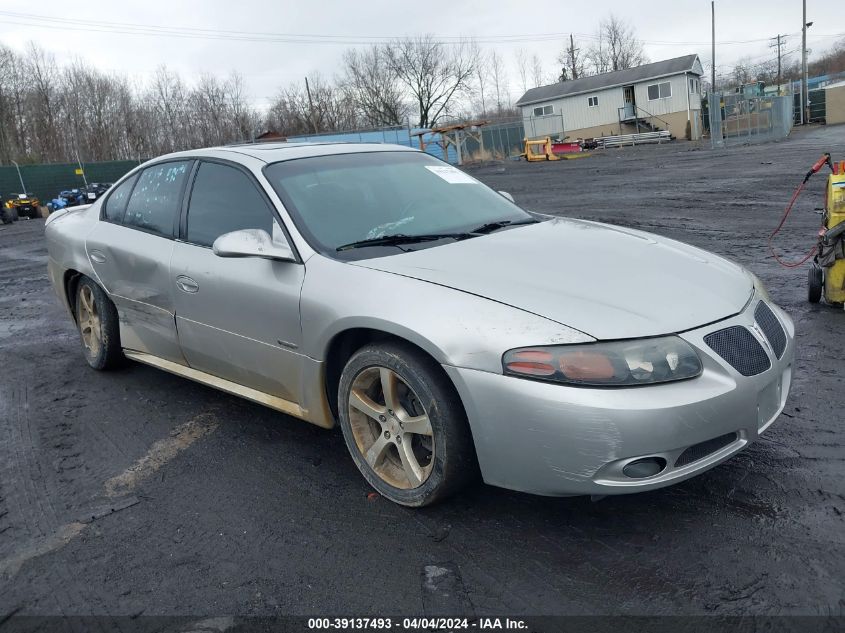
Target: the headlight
(612, 364)
(759, 288)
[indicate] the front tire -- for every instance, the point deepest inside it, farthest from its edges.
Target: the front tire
(96, 318)
(815, 281)
(404, 425)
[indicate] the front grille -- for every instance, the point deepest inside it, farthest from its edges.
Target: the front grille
(703, 449)
(771, 327)
(739, 347)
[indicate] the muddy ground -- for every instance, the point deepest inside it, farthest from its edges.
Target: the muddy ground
(139, 492)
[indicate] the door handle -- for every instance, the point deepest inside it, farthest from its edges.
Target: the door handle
(186, 284)
(98, 257)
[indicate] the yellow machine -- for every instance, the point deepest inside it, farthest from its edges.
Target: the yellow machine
(540, 149)
(827, 276)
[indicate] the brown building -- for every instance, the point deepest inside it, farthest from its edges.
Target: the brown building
(270, 135)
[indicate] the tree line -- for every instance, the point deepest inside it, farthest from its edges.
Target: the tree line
(51, 112)
(746, 70)
(615, 46)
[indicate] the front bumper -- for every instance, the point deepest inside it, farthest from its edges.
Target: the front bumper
(558, 440)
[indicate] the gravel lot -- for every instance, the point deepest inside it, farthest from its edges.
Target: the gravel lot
(239, 510)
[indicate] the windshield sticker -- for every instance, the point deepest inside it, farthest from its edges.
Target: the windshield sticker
(382, 229)
(452, 175)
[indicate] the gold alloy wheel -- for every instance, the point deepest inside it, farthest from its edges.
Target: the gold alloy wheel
(89, 322)
(391, 428)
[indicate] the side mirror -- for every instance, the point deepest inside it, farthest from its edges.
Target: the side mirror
(505, 194)
(251, 243)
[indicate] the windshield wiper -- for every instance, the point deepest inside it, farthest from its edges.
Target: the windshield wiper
(401, 238)
(494, 226)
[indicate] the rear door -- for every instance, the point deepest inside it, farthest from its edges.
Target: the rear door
(237, 318)
(130, 250)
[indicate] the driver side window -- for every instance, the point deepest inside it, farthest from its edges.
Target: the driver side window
(225, 199)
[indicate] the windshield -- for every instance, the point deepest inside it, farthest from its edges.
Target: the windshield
(343, 199)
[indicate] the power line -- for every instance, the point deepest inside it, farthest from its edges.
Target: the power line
(127, 28)
(777, 44)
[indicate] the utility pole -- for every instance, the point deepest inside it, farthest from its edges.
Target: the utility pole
(311, 107)
(713, 46)
(804, 96)
(779, 41)
(572, 51)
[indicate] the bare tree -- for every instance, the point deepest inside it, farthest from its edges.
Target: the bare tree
(499, 79)
(537, 74)
(522, 68)
(434, 74)
(243, 119)
(571, 61)
(616, 47)
(482, 77)
(742, 73)
(44, 101)
(374, 86)
(331, 108)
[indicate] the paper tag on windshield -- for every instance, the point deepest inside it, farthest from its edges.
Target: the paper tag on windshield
(452, 175)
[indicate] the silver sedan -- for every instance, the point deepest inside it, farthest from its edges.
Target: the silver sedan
(448, 331)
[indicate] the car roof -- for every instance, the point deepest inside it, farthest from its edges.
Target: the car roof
(275, 152)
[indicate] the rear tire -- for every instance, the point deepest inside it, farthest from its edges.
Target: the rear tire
(96, 319)
(815, 283)
(404, 425)
(6, 215)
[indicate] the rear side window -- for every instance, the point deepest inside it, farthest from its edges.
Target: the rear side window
(116, 203)
(154, 204)
(224, 199)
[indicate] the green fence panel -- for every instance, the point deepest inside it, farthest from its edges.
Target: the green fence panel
(46, 181)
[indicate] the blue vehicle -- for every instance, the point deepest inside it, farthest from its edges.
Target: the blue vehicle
(56, 203)
(72, 197)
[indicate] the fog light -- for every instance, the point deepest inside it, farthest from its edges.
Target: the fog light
(645, 467)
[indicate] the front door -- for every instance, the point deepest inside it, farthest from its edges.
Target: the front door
(237, 318)
(628, 100)
(130, 250)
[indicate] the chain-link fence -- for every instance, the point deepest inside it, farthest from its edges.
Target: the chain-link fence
(537, 127)
(738, 120)
(497, 140)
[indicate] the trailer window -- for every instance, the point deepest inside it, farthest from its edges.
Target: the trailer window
(662, 90)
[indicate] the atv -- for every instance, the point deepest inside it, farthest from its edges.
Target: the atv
(8, 214)
(25, 204)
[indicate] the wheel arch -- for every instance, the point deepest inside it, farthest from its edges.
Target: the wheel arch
(70, 282)
(344, 343)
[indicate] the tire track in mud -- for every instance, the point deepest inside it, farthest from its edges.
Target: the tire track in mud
(49, 443)
(33, 503)
(33, 513)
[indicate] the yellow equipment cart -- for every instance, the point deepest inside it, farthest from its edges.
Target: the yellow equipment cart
(827, 276)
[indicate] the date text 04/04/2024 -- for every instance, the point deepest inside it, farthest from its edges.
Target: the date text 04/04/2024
(411, 624)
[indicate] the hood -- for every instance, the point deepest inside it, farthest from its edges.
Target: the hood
(606, 281)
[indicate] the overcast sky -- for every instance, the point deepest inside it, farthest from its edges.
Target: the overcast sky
(669, 28)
